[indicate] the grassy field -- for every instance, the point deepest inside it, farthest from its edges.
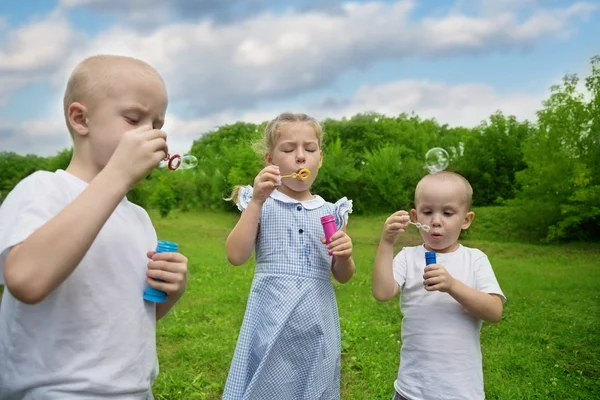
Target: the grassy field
(546, 347)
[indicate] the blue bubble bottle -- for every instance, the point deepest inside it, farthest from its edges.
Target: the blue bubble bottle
(155, 295)
(430, 259)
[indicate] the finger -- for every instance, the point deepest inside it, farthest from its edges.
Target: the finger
(397, 226)
(337, 240)
(338, 235)
(432, 267)
(274, 169)
(333, 247)
(267, 186)
(141, 130)
(150, 253)
(342, 252)
(168, 288)
(159, 144)
(399, 213)
(170, 256)
(152, 134)
(269, 177)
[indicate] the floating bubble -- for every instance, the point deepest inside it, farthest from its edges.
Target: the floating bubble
(178, 162)
(436, 160)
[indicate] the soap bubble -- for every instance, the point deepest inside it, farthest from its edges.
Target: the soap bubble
(177, 162)
(436, 160)
(188, 162)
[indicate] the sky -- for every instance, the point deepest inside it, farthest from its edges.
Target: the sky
(228, 61)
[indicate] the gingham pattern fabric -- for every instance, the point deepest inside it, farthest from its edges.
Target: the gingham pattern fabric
(289, 343)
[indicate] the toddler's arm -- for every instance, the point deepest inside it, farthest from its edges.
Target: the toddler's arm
(385, 286)
(485, 306)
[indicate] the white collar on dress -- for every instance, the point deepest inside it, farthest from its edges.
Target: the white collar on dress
(311, 204)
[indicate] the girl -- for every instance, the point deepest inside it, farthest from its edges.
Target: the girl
(289, 344)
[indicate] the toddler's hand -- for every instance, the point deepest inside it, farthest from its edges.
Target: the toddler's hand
(265, 182)
(395, 225)
(340, 245)
(170, 268)
(437, 278)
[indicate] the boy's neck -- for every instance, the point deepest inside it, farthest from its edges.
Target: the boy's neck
(82, 170)
(450, 249)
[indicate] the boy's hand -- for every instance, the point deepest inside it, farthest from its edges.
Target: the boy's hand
(265, 182)
(140, 150)
(340, 245)
(437, 278)
(170, 268)
(395, 225)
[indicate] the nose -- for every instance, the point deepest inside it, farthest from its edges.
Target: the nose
(300, 156)
(436, 220)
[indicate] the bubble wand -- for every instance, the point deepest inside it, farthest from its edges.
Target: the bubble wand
(302, 174)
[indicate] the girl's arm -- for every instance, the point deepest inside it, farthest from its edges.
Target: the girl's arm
(342, 264)
(342, 269)
(240, 241)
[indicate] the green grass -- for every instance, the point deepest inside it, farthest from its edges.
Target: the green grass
(546, 347)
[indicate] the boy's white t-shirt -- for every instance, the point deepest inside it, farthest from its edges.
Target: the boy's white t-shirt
(440, 356)
(93, 337)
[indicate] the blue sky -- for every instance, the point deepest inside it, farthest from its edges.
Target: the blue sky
(456, 61)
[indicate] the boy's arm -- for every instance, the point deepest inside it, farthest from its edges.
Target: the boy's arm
(240, 241)
(163, 308)
(39, 264)
(485, 306)
(35, 267)
(385, 286)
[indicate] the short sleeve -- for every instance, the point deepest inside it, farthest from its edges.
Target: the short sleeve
(342, 208)
(399, 266)
(485, 279)
(32, 203)
(244, 197)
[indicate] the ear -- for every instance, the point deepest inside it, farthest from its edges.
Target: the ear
(321, 160)
(468, 219)
(77, 116)
(269, 158)
(413, 213)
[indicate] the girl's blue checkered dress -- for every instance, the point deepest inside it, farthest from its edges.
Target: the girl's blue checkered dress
(289, 344)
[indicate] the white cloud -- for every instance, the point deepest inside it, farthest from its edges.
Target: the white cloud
(269, 56)
(222, 72)
(33, 52)
(457, 105)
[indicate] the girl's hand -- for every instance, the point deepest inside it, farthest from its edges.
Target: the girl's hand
(170, 268)
(265, 182)
(395, 225)
(340, 246)
(437, 278)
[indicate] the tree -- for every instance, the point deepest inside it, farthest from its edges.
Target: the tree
(560, 188)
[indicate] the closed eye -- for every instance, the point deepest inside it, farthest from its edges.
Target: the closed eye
(132, 121)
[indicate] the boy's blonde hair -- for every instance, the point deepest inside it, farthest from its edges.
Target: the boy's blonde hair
(272, 133)
(449, 175)
(93, 79)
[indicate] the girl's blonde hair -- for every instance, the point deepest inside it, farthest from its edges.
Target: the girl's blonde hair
(272, 133)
